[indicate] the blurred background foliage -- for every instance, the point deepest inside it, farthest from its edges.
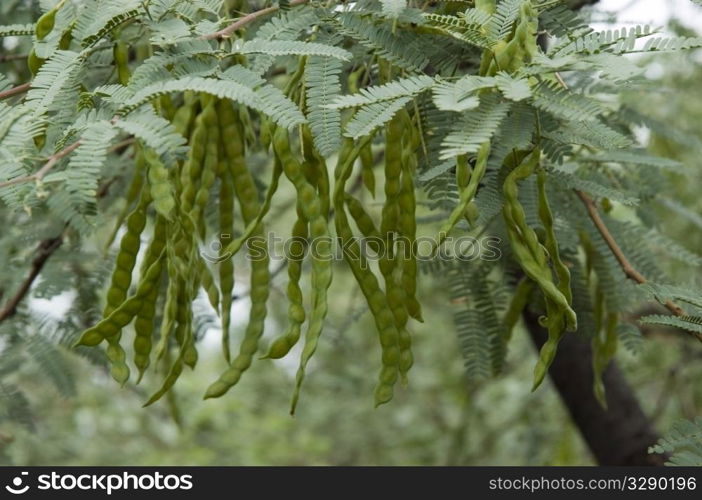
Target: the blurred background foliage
(69, 413)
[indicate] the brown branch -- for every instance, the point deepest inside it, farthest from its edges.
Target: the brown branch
(12, 57)
(20, 89)
(45, 250)
(616, 250)
(248, 18)
(39, 174)
(614, 247)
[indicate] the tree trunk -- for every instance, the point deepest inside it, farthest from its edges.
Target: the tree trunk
(619, 435)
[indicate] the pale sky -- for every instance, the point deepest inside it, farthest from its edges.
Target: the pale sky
(653, 12)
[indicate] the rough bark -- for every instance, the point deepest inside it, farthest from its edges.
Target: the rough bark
(619, 435)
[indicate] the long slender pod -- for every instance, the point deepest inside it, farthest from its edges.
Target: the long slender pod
(247, 195)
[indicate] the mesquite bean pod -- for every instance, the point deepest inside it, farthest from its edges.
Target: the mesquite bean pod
(120, 53)
(519, 301)
(408, 223)
(119, 284)
(144, 321)
(311, 205)
(226, 266)
(533, 259)
(468, 193)
(376, 299)
(365, 224)
(44, 25)
(247, 195)
(193, 170)
(111, 326)
(160, 185)
(210, 164)
(604, 347)
(296, 309)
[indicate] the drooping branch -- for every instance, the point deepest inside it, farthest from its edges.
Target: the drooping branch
(248, 18)
(45, 250)
(618, 254)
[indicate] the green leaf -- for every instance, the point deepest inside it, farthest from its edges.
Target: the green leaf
(291, 47)
(404, 87)
(374, 115)
(688, 323)
(475, 127)
(16, 30)
(266, 99)
(322, 82)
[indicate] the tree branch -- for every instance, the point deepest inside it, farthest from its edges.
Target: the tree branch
(45, 250)
(20, 89)
(248, 18)
(39, 174)
(12, 57)
(616, 250)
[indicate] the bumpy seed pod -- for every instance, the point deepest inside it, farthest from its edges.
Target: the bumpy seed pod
(519, 301)
(365, 224)
(533, 259)
(121, 279)
(194, 168)
(226, 265)
(160, 185)
(391, 208)
(184, 116)
(316, 170)
(408, 224)
(468, 193)
(133, 192)
(247, 195)
(183, 332)
(44, 25)
(604, 347)
(186, 351)
(550, 242)
(208, 174)
(120, 53)
(391, 264)
(208, 282)
(296, 309)
(144, 321)
(321, 255)
(376, 299)
(170, 308)
(510, 55)
(367, 173)
(111, 325)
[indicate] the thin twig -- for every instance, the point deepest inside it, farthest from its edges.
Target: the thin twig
(39, 174)
(248, 18)
(616, 250)
(19, 89)
(12, 57)
(45, 250)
